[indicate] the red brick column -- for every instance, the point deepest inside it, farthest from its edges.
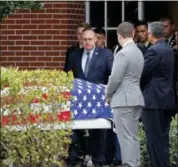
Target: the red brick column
(34, 39)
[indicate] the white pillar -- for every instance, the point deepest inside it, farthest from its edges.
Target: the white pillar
(87, 12)
(141, 10)
(106, 20)
(123, 11)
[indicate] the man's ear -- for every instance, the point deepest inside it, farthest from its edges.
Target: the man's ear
(119, 36)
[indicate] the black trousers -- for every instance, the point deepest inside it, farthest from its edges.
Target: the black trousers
(97, 141)
(94, 145)
(157, 126)
(77, 147)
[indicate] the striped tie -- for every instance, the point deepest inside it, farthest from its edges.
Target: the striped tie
(87, 64)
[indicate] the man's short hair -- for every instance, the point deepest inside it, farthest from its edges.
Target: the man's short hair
(167, 18)
(141, 23)
(100, 30)
(157, 29)
(83, 25)
(88, 29)
(125, 29)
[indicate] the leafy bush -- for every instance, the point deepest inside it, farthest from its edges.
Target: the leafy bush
(173, 144)
(35, 100)
(8, 7)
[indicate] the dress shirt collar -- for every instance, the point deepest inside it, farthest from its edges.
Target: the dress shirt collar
(91, 51)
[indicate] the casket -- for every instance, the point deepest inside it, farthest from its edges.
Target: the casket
(86, 106)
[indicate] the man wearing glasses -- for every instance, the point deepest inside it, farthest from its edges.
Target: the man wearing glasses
(94, 65)
(78, 45)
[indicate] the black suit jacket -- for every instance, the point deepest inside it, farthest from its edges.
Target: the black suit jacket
(142, 48)
(100, 65)
(172, 44)
(68, 55)
(158, 70)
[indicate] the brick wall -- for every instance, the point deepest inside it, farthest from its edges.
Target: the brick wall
(34, 39)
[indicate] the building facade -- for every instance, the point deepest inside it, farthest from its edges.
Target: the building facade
(33, 39)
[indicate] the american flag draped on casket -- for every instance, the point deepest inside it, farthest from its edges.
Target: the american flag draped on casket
(88, 101)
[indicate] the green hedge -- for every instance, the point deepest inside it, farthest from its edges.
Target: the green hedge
(33, 147)
(173, 144)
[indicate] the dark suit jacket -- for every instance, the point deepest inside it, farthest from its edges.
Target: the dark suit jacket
(149, 45)
(158, 71)
(68, 56)
(100, 65)
(172, 44)
(142, 48)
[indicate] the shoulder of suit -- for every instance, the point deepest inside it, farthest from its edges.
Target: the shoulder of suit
(77, 51)
(152, 47)
(132, 48)
(74, 46)
(120, 53)
(105, 50)
(157, 47)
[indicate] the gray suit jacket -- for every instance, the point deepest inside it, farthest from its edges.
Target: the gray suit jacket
(124, 82)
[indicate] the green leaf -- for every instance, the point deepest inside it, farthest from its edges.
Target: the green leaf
(8, 7)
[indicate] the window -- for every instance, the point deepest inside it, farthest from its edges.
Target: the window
(131, 9)
(97, 14)
(111, 39)
(109, 14)
(155, 14)
(114, 14)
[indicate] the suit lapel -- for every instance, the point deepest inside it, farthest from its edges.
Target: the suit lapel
(80, 60)
(94, 56)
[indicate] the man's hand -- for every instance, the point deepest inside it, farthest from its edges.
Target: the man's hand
(108, 101)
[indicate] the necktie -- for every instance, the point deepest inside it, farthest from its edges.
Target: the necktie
(87, 64)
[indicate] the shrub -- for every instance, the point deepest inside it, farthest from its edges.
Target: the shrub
(32, 105)
(173, 144)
